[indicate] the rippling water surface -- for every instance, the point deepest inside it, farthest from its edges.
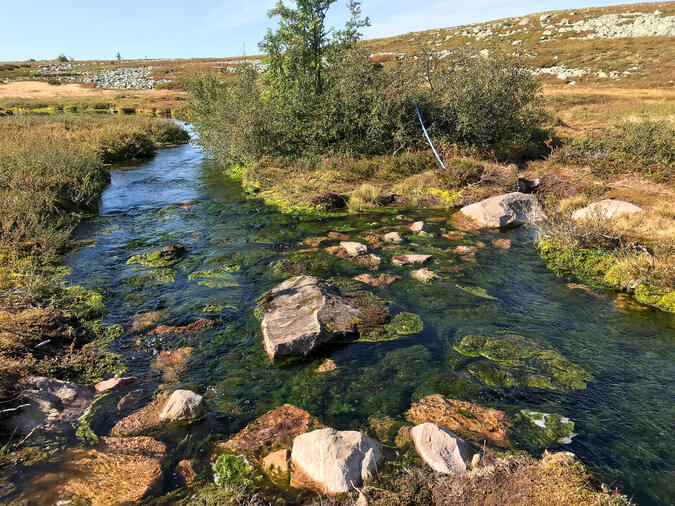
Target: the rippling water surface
(624, 418)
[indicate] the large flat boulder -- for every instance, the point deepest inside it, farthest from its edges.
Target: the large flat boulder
(333, 462)
(470, 421)
(302, 314)
(48, 404)
(606, 209)
(441, 449)
(510, 210)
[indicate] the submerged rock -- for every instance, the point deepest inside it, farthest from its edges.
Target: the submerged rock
(410, 259)
(508, 210)
(187, 330)
(383, 281)
(48, 404)
(117, 471)
(302, 314)
(333, 462)
(393, 238)
(470, 421)
(184, 406)
(441, 449)
(185, 473)
(143, 321)
(424, 275)
(501, 243)
(113, 383)
(465, 250)
(172, 363)
(142, 420)
(275, 430)
(516, 361)
(606, 209)
(418, 226)
(354, 248)
(326, 366)
(162, 258)
(536, 431)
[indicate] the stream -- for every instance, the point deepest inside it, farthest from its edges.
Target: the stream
(623, 418)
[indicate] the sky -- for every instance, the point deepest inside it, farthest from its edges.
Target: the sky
(98, 29)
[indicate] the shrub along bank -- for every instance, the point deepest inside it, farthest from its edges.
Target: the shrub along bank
(52, 173)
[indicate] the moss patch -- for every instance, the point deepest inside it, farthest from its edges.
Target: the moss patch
(535, 431)
(516, 361)
(162, 258)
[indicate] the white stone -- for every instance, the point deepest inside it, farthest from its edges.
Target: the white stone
(334, 462)
(183, 406)
(508, 210)
(354, 248)
(441, 449)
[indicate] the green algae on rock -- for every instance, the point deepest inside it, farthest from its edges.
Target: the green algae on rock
(516, 361)
(221, 277)
(154, 276)
(400, 325)
(162, 258)
(477, 291)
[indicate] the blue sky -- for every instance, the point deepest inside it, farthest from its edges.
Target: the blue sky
(97, 29)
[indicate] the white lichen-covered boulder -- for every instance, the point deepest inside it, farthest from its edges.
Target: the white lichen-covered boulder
(606, 209)
(333, 462)
(510, 210)
(184, 406)
(302, 314)
(441, 449)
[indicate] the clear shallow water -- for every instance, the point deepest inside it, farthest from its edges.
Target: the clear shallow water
(624, 418)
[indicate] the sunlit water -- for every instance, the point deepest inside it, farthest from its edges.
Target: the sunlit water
(623, 418)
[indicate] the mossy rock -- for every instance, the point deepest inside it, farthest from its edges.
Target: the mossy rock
(535, 431)
(162, 258)
(231, 469)
(400, 325)
(516, 361)
(221, 277)
(85, 304)
(318, 263)
(160, 276)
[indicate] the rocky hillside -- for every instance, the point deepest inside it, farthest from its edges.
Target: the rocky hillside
(627, 45)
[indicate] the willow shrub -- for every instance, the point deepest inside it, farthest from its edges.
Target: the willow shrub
(488, 102)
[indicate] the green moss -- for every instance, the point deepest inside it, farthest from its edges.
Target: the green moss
(84, 431)
(516, 361)
(231, 470)
(85, 304)
(535, 431)
(162, 258)
(477, 291)
(402, 324)
(155, 275)
(216, 278)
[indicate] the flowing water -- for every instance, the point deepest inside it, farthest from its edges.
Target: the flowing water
(623, 419)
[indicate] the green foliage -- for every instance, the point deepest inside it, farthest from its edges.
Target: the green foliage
(535, 431)
(477, 291)
(231, 470)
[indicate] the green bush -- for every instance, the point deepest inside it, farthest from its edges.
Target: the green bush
(231, 470)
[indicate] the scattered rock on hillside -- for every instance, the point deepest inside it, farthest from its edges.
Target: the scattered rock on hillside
(441, 449)
(503, 211)
(410, 259)
(333, 462)
(302, 314)
(606, 209)
(470, 421)
(275, 430)
(49, 404)
(184, 406)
